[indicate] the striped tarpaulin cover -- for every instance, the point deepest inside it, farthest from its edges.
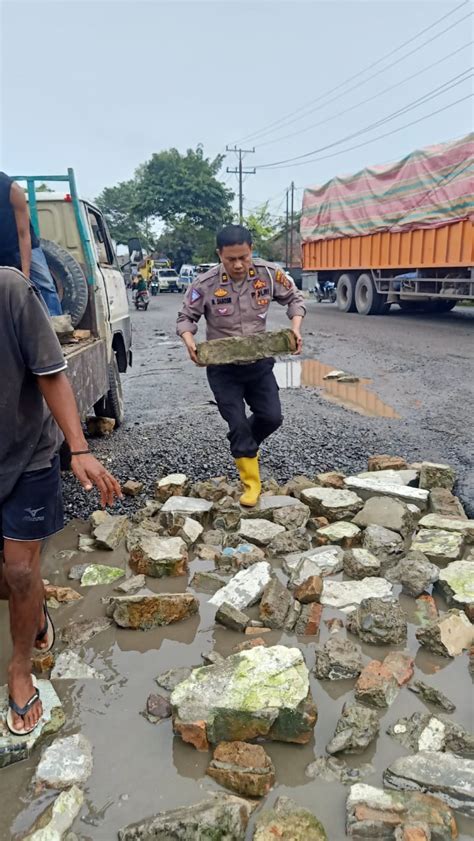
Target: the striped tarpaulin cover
(426, 189)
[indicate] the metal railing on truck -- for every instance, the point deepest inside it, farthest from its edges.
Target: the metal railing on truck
(71, 196)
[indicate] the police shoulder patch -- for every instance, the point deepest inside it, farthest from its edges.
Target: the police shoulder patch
(195, 295)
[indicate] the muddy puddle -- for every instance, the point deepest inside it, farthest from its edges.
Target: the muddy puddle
(141, 768)
(310, 373)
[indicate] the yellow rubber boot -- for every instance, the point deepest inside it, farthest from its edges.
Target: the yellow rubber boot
(250, 477)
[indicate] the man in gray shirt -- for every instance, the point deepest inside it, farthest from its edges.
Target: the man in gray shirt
(37, 408)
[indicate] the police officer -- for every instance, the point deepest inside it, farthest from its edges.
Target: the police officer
(234, 298)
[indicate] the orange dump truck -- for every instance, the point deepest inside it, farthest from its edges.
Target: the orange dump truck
(398, 233)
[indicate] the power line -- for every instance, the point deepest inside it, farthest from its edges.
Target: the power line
(241, 172)
(286, 119)
(438, 91)
(368, 99)
(380, 136)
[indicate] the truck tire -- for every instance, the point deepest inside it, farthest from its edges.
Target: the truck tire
(112, 405)
(410, 306)
(367, 300)
(345, 295)
(440, 305)
(69, 280)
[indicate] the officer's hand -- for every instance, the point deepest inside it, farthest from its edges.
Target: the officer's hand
(299, 341)
(191, 347)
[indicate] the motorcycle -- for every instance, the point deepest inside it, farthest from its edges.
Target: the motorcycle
(142, 299)
(325, 290)
(154, 287)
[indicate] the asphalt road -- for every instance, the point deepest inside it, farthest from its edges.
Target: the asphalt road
(420, 379)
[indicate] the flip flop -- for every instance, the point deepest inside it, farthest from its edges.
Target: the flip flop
(22, 711)
(47, 629)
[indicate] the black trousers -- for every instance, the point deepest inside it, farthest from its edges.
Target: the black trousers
(234, 386)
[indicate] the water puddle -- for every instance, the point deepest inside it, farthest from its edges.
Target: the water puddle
(310, 373)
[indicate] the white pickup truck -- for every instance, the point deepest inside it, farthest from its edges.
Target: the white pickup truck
(82, 259)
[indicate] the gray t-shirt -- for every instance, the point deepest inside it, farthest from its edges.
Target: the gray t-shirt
(29, 436)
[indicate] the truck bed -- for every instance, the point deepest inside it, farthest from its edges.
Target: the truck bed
(87, 371)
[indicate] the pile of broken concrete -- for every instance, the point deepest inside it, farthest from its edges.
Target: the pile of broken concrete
(313, 547)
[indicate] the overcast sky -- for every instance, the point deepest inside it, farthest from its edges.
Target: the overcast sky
(102, 84)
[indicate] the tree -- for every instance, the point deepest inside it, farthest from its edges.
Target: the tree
(264, 228)
(177, 188)
(119, 205)
(186, 243)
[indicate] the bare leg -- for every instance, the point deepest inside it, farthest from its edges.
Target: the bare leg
(4, 588)
(22, 576)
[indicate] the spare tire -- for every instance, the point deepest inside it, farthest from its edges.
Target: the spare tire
(69, 280)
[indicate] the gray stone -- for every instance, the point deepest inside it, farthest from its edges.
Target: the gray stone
(86, 543)
(445, 503)
(231, 617)
(332, 503)
(394, 477)
(331, 769)
(246, 349)
(66, 762)
(341, 533)
(448, 635)
(132, 488)
(288, 820)
(190, 531)
(197, 509)
(356, 728)
(241, 556)
(360, 563)
(209, 582)
(292, 616)
(268, 506)
(440, 547)
(83, 630)
(132, 584)
(309, 620)
(437, 476)
(245, 588)
(100, 574)
(55, 821)
(443, 775)
(432, 696)
(157, 708)
(176, 484)
(173, 677)
(436, 521)
(275, 604)
(326, 560)
(69, 666)
(77, 571)
(222, 817)
(345, 595)
(260, 692)
(386, 545)
(294, 516)
(415, 573)
(379, 622)
(213, 537)
(211, 658)
(379, 813)
(258, 531)
(295, 540)
(366, 488)
(338, 659)
(108, 530)
(157, 556)
(15, 748)
(391, 514)
(456, 582)
(386, 462)
(424, 731)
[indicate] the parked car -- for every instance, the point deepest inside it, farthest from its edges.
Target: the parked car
(202, 268)
(168, 280)
(186, 276)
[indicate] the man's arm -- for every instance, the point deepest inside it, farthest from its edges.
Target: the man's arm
(22, 219)
(186, 325)
(59, 396)
(286, 293)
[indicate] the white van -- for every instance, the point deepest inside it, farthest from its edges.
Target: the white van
(186, 276)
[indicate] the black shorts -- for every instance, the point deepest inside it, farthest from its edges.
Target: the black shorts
(34, 508)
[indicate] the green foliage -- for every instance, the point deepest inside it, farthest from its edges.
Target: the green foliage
(119, 205)
(176, 187)
(186, 243)
(264, 228)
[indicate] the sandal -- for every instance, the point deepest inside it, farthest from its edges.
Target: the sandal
(47, 629)
(22, 711)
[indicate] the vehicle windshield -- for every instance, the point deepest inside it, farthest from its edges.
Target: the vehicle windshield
(167, 273)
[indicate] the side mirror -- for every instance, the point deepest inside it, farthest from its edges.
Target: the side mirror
(135, 248)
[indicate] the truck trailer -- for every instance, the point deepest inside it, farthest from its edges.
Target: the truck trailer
(399, 233)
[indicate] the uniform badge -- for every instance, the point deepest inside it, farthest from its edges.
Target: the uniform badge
(262, 302)
(262, 315)
(251, 272)
(195, 295)
(225, 278)
(259, 284)
(222, 310)
(281, 278)
(220, 293)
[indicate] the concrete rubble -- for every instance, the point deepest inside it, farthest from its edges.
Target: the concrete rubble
(408, 816)
(246, 349)
(145, 611)
(288, 822)
(356, 728)
(65, 762)
(245, 588)
(243, 768)
(55, 821)
(424, 731)
(446, 776)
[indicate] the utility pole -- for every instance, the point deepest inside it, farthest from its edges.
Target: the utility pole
(286, 228)
(292, 214)
(241, 172)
